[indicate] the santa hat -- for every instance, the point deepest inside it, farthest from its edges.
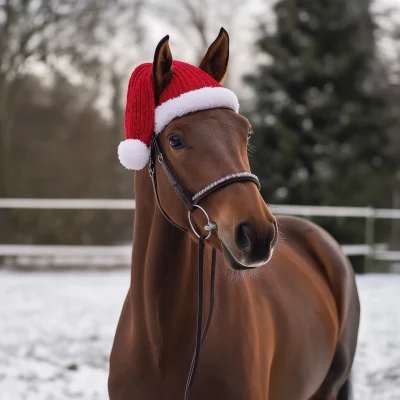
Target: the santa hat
(190, 90)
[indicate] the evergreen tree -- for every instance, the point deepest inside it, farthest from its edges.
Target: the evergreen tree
(320, 118)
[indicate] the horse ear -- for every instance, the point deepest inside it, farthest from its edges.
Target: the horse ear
(215, 62)
(162, 63)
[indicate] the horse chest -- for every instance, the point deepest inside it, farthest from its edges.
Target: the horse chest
(223, 374)
(218, 386)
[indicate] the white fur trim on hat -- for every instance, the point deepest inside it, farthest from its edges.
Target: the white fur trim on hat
(133, 154)
(195, 100)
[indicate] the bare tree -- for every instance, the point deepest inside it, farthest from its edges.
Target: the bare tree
(37, 32)
(66, 153)
(70, 37)
(124, 34)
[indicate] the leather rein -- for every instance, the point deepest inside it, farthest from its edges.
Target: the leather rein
(191, 203)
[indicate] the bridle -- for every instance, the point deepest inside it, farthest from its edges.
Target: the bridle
(191, 203)
(188, 199)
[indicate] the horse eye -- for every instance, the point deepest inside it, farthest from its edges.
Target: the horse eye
(176, 141)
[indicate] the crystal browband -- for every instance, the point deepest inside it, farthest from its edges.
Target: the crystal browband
(239, 176)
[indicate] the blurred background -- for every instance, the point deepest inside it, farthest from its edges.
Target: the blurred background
(320, 82)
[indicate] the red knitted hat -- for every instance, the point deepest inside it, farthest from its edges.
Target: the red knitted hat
(190, 90)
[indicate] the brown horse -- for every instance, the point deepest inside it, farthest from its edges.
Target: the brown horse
(286, 312)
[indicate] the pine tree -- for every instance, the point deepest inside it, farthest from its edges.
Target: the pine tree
(320, 118)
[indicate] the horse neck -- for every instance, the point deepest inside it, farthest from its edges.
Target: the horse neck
(163, 280)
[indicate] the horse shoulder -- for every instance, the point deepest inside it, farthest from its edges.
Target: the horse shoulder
(330, 259)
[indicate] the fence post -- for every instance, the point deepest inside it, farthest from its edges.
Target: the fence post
(370, 238)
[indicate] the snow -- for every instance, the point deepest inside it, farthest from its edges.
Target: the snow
(377, 365)
(57, 329)
(56, 333)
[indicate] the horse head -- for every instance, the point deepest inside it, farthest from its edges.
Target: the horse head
(205, 146)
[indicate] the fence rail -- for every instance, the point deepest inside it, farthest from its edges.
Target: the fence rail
(111, 256)
(122, 253)
(116, 204)
(69, 204)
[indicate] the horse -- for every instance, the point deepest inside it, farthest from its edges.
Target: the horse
(286, 308)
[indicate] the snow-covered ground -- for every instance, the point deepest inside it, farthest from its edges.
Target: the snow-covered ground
(56, 332)
(376, 373)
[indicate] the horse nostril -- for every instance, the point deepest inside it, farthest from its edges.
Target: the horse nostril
(271, 232)
(244, 237)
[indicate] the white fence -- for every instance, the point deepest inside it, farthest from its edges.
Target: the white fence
(120, 255)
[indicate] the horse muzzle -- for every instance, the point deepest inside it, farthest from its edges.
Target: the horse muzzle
(250, 247)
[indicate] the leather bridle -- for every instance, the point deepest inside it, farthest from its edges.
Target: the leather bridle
(191, 202)
(188, 199)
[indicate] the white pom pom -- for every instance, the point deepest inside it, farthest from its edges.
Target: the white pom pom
(133, 154)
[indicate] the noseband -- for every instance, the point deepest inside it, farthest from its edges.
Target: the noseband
(191, 203)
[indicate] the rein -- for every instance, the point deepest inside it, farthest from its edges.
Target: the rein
(191, 203)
